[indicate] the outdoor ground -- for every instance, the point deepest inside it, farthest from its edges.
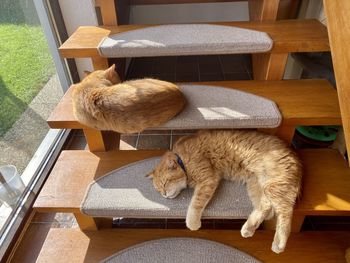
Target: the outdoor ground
(25, 62)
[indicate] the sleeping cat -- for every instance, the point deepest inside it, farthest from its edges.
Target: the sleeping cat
(271, 171)
(128, 107)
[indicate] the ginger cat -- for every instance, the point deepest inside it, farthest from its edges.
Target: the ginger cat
(128, 107)
(272, 173)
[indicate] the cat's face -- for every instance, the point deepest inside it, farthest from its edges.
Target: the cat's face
(168, 177)
(103, 75)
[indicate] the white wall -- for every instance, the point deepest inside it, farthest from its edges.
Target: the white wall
(182, 13)
(75, 14)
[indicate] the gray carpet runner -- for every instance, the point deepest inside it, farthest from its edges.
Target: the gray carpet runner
(184, 39)
(211, 107)
(180, 250)
(126, 192)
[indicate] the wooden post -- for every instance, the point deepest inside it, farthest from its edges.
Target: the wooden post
(101, 141)
(108, 12)
(85, 222)
(269, 66)
(297, 222)
(90, 223)
(263, 10)
(266, 66)
(286, 133)
(99, 63)
(112, 16)
(338, 13)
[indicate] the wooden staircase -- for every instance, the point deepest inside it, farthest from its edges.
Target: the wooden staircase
(326, 183)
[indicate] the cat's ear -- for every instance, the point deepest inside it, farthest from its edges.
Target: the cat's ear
(172, 164)
(86, 73)
(149, 175)
(112, 75)
(110, 72)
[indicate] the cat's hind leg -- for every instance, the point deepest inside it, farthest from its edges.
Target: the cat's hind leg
(262, 208)
(255, 193)
(282, 197)
(283, 228)
(260, 212)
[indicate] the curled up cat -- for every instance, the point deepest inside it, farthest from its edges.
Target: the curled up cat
(271, 171)
(100, 101)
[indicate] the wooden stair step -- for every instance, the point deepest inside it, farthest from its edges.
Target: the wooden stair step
(191, 39)
(301, 102)
(287, 35)
(75, 170)
(326, 181)
(93, 246)
(127, 193)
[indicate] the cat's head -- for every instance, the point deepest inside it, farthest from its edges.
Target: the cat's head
(103, 75)
(168, 177)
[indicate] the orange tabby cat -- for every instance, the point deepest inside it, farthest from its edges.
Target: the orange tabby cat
(128, 107)
(271, 171)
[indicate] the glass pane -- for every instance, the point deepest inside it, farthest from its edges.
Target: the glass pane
(29, 90)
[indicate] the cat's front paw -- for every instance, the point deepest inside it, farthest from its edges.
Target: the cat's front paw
(277, 248)
(246, 231)
(193, 223)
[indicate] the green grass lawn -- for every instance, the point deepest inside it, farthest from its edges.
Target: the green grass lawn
(25, 62)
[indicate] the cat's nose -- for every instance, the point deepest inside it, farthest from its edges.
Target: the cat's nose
(171, 194)
(165, 194)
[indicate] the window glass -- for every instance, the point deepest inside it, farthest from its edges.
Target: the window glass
(29, 90)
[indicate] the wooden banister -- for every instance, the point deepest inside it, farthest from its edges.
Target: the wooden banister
(338, 13)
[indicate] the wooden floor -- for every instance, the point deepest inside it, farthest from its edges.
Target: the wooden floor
(41, 244)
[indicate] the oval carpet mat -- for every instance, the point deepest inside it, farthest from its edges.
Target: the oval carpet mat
(181, 250)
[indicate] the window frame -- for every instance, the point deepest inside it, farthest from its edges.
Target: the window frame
(47, 153)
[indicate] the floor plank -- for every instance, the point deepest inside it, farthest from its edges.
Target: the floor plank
(63, 244)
